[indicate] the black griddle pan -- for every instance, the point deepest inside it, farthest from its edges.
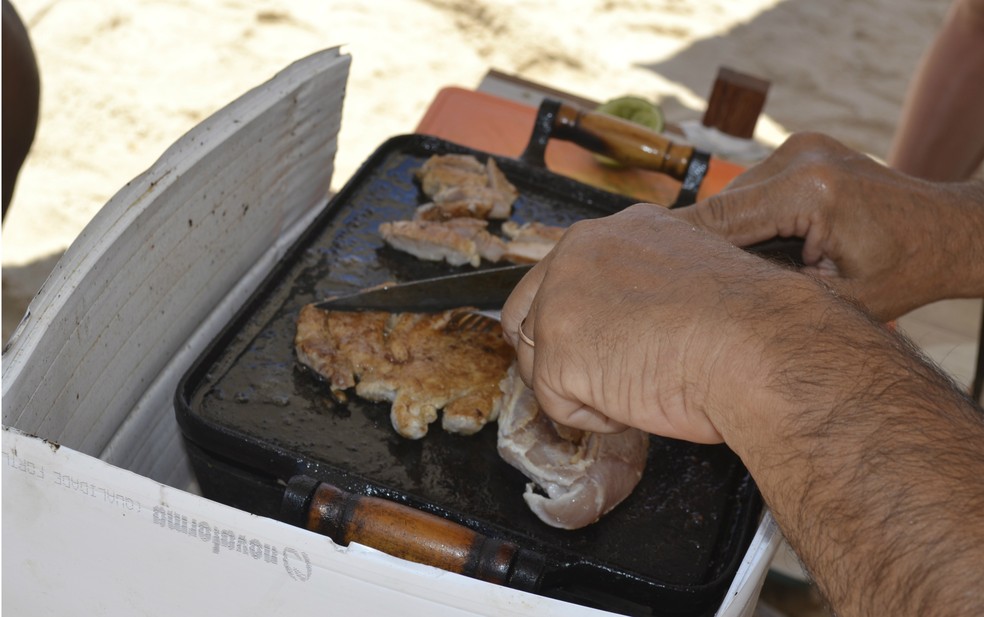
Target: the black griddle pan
(263, 432)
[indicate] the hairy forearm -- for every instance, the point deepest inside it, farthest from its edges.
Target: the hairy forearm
(959, 266)
(872, 462)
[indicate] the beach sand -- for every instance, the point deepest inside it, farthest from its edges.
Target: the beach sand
(123, 79)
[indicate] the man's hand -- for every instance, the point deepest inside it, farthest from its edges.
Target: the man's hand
(889, 240)
(635, 317)
(869, 459)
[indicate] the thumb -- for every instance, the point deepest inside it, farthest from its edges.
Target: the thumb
(743, 216)
(570, 408)
(571, 413)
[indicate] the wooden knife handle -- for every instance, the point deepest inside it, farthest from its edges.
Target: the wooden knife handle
(421, 537)
(628, 143)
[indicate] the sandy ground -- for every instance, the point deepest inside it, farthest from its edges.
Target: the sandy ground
(123, 79)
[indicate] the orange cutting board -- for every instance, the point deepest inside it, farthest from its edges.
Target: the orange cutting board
(501, 126)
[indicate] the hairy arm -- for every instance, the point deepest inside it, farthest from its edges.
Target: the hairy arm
(872, 463)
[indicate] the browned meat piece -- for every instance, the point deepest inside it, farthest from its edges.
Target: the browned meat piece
(533, 232)
(530, 242)
(454, 202)
(321, 349)
(505, 192)
(411, 359)
(490, 247)
(584, 475)
(431, 241)
(458, 185)
(457, 241)
(440, 172)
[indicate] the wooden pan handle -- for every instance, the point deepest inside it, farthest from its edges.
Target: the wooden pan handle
(421, 537)
(628, 143)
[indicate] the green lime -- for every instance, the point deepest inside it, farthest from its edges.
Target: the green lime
(634, 109)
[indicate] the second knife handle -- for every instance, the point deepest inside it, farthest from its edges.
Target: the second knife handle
(414, 535)
(631, 144)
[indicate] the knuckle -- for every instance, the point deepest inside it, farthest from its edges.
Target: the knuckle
(818, 163)
(808, 142)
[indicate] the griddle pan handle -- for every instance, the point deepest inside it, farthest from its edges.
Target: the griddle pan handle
(628, 143)
(409, 533)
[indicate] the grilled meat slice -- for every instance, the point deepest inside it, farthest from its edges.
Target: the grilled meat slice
(505, 193)
(457, 201)
(533, 232)
(460, 186)
(444, 171)
(529, 242)
(584, 475)
(337, 349)
(413, 360)
(467, 240)
(457, 241)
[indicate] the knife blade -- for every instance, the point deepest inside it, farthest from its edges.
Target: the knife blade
(482, 289)
(488, 289)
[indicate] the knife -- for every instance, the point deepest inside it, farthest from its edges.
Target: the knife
(482, 289)
(488, 289)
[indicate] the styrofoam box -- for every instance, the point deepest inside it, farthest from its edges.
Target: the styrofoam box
(100, 511)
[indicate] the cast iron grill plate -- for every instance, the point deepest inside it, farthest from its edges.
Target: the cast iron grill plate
(671, 548)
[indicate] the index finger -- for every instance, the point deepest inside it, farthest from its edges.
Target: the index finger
(518, 304)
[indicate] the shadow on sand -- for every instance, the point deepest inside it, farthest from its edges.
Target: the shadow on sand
(834, 81)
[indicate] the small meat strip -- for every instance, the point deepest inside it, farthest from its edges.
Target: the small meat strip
(467, 241)
(529, 242)
(457, 241)
(414, 360)
(584, 475)
(458, 185)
